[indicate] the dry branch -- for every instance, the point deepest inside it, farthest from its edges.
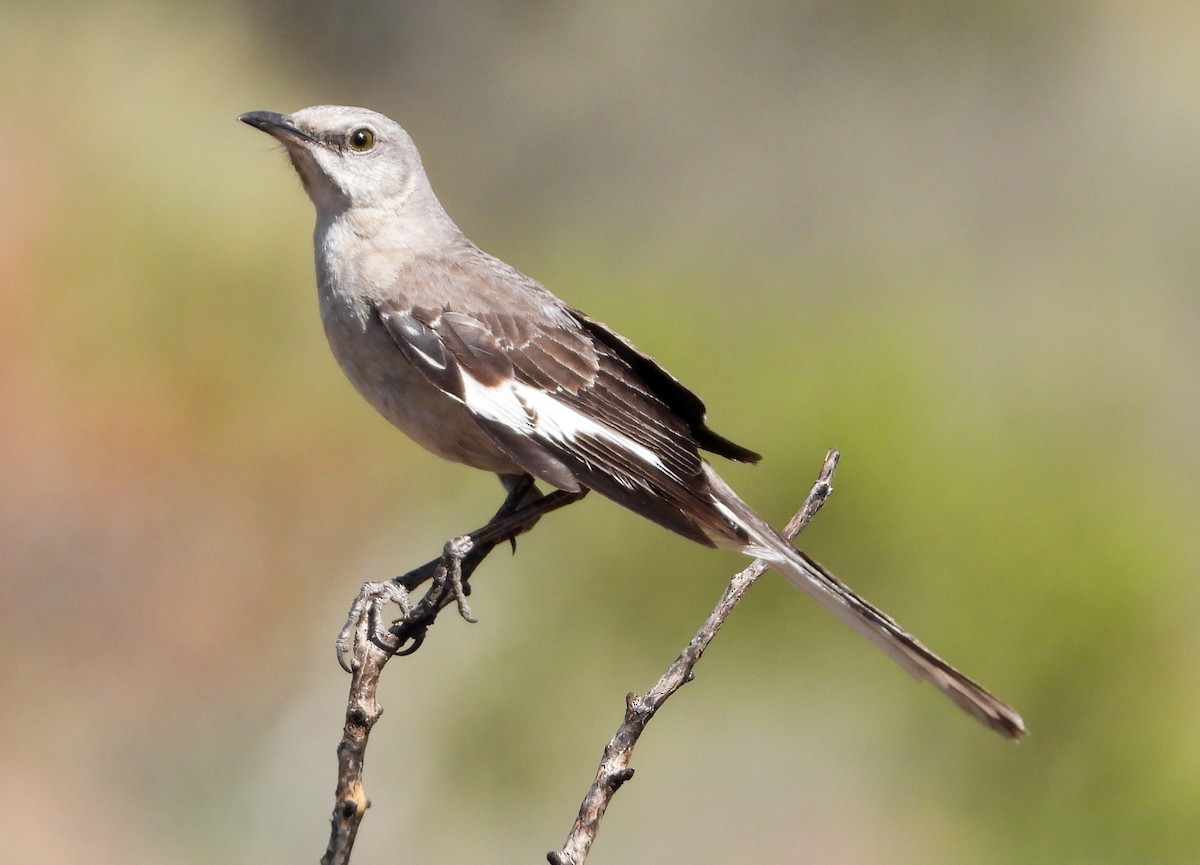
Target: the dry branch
(370, 646)
(614, 769)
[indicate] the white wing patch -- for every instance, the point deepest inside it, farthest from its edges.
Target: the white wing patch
(537, 413)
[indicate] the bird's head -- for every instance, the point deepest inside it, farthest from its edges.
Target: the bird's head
(347, 157)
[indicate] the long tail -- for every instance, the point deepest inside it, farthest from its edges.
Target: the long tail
(868, 620)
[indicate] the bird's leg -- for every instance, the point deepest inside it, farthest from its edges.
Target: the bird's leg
(522, 490)
(505, 526)
(521, 510)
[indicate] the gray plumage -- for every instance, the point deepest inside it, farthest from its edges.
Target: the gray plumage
(482, 365)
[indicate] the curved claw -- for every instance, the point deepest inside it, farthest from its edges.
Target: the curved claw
(343, 653)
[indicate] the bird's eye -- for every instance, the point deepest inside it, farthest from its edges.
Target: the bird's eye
(362, 140)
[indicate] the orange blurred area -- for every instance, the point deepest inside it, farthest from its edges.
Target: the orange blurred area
(956, 242)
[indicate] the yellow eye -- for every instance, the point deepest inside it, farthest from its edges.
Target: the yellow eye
(361, 140)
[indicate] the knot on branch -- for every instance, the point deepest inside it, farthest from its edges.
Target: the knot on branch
(636, 707)
(619, 777)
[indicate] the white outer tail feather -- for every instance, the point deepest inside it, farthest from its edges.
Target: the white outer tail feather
(835, 596)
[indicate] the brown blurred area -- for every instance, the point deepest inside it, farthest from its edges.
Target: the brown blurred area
(958, 242)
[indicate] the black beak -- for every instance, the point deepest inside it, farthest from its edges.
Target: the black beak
(280, 126)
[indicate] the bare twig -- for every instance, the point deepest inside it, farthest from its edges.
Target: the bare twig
(371, 646)
(614, 769)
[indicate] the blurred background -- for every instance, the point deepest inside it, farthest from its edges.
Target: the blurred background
(956, 241)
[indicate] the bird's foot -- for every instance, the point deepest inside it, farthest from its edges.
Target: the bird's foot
(455, 551)
(365, 622)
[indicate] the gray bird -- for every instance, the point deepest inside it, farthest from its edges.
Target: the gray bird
(482, 365)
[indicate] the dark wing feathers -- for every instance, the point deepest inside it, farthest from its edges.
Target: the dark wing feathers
(474, 347)
(549, 357)
(634, 411)
(672, 493)
(689, 407)
(486, 327)
(581, 374)
(423, 347)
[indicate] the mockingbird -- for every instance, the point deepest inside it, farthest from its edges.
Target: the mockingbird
(482, 365)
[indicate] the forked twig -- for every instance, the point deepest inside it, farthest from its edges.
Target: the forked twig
(614, 769)
(370, 646)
